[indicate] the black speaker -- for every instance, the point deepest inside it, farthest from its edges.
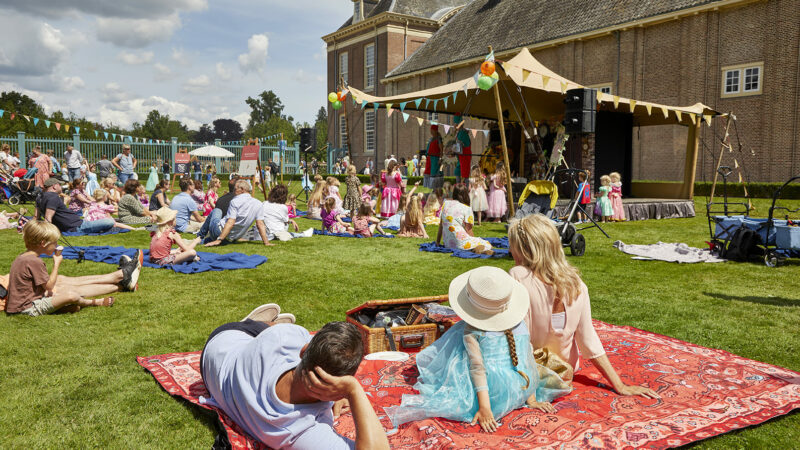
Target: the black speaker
(580, 111)
(307, 139)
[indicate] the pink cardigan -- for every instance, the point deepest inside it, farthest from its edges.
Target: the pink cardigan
(578, 333)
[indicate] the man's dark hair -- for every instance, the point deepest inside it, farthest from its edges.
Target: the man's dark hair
(131, 186)
(337, 348)
(185, 183)
(232, 184)
(461, 193)
(278, 194)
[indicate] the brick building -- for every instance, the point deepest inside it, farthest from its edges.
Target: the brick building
(675, 52)
(379, 36)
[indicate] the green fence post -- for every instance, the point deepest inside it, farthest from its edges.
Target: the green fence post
(217, 160)
(76, 143)
(174, 152)
(23, 161)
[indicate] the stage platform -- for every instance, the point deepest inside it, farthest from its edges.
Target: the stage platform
(643, 208)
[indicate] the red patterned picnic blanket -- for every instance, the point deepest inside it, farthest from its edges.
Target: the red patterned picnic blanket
(705, 393)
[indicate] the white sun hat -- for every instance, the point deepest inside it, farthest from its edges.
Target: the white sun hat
(489, 299)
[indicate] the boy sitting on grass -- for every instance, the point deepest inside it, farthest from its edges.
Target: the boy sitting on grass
(33, 292)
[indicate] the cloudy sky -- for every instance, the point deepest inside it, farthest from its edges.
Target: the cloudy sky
(196, 60)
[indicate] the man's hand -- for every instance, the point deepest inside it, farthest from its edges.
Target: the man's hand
(340, 407)
(329, 388)
(214, 243)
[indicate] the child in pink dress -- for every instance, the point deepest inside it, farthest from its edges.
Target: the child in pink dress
(365, 223)
(291, 205)
(392, 192)
(497, 195)
(616, 197)
(101, 209)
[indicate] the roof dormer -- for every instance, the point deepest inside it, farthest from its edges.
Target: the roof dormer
(358, 10)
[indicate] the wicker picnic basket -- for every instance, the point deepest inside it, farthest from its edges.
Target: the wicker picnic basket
(410, 338)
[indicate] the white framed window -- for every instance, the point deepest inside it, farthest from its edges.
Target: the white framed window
(343, 67)
(741, 80)
(342, 131)
(358, 7)
(369, 132)
(604, 88)
(433, 116)
(369, 66)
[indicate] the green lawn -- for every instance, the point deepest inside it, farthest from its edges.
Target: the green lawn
(72, 380)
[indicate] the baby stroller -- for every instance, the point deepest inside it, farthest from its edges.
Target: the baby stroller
(537, 197)
(18, 190)
(570, 234)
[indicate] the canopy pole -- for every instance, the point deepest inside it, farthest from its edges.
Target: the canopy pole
(346, 127)
(690, 167)
(499, 107)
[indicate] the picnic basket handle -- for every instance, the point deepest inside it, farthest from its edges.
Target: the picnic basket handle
(390, 337)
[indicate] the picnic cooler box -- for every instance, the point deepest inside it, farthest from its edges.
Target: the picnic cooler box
(787, 237)
(408, 338)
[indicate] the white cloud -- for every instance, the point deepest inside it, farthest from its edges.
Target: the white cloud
(69, 84)
(223, 73)
(304, 77)
(197, 85)
(134, 59)
(39, 49)
(113, 92)
(180, 57)
(256, 57)
(135, 110)
(137, 33)
(163, 72)
(119, 8)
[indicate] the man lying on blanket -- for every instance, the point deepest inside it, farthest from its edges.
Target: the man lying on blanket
(284, 387)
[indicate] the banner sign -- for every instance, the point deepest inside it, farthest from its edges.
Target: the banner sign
(182, 162)
(248, 166)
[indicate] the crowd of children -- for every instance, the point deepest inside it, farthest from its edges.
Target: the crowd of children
(608, 206)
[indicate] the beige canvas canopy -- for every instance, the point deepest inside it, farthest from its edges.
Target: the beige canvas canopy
(530, 92)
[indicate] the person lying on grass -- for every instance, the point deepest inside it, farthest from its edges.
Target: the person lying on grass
(285, 388)
(276, 219)
(34, 292)
(560, 316)
(483, 367)
(161, 241)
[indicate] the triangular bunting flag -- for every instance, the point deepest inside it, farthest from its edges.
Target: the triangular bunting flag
(1, 112)
(455, 96)
(105, 133)
(525, 74)
(420, 120)
(693, 118)
(47, 123)
(417, 102)
(446, 128)
(633, 104)
(433, 122)
(363, 104)
(405, 117)
(435, 104)
(649, 108)
(345, 92)
(375, 106)
(445, 101)
(616, 101)
(485, 133)
(427, 102)
(77, 130)
(403, 106)
(389, 105)
(708, 118)
(35, 121)
(678, 114)
(28, 118)
(545, 80)
(66, 127)
(13, 115)
(735, 163)
(474, 132)
(465, 88)
(563, 87)
(113, 136)
(95, 133)
(665, 111)
(58, 126)
(389, 112)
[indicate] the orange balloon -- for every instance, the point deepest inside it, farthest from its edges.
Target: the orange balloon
(487, 68)
(341, 96)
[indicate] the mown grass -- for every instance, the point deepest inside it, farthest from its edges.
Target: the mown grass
(72, 381)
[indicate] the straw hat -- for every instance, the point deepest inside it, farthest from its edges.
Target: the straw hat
(489, 299)
(164, 215)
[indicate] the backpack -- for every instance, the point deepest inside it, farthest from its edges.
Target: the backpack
(742, 245)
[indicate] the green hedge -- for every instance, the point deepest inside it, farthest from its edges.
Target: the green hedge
(756, 190)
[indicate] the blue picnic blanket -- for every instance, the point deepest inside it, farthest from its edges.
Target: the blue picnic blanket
(111, 231)
(208, 261)
(499, 245)
(327, 233)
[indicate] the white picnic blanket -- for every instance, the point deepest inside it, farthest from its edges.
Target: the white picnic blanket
(670, 252)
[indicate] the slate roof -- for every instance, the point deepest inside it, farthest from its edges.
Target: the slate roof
(427, 9)
(509, 24)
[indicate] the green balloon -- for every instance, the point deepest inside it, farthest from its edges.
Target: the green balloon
(485, 82)
(337, 104)
(332, 97)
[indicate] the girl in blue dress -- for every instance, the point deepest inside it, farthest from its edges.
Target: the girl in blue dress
(483, 367)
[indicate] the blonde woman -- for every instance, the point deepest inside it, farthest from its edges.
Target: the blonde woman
(560, 316)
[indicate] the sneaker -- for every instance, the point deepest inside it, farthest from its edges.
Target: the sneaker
(134, 284)
(284, 318)
(264, 313)
(308, 233)
(122, 261)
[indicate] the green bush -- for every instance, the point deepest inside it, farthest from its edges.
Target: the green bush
(756, 190)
